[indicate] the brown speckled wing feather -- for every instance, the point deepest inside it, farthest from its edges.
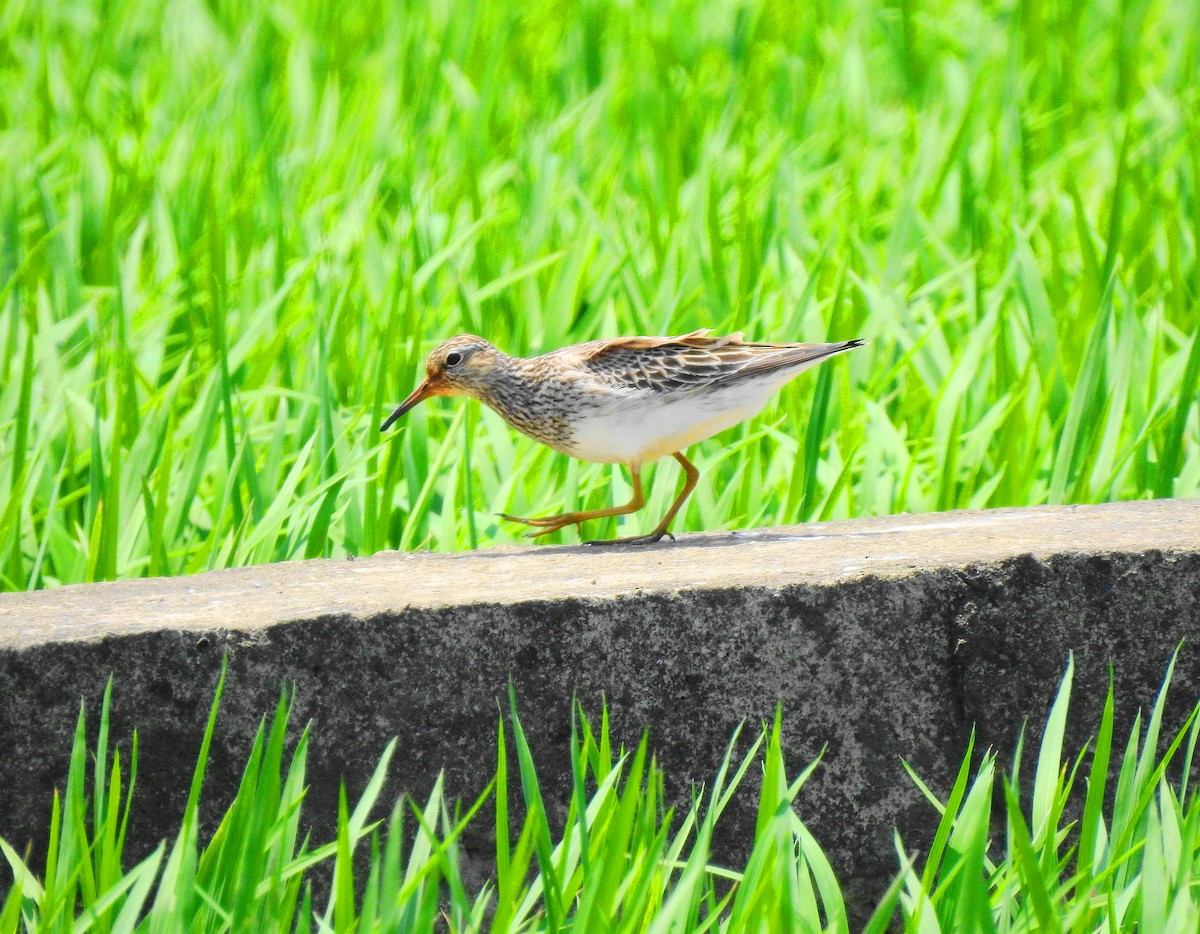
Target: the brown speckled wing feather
(693, 361)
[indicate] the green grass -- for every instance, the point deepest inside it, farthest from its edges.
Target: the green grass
(622, 860)
(229, 233)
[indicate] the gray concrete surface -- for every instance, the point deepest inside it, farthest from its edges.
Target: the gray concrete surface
(883, 638)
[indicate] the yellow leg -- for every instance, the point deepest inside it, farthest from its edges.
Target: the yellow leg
(549, 524)
(691, 475)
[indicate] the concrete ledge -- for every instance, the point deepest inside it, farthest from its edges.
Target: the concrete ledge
(884, 638)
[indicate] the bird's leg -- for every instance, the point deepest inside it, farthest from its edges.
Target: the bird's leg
(548, 524)
(691, 475)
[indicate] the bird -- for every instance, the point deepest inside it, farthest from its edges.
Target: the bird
(623, 400)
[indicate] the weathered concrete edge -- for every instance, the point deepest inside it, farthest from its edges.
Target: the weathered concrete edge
(819, 553)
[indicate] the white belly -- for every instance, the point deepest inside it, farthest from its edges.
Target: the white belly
(641, 429)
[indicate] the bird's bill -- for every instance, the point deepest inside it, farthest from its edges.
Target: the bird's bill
(424, 391)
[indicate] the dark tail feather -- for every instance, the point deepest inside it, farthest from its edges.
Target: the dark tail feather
(794, 356)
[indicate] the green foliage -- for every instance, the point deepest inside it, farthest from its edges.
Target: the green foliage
(229, 232)
(623, 861)
(1134, 865)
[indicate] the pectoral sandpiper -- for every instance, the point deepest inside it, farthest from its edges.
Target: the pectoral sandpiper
(629, 400)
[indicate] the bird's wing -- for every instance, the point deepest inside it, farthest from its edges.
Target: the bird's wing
(692, 361)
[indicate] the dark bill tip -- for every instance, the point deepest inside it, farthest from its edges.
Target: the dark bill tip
(417, 395)
(391, 419)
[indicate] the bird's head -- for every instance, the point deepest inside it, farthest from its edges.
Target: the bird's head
(462, 366)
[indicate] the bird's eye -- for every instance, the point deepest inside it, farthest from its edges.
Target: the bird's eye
(454, 358)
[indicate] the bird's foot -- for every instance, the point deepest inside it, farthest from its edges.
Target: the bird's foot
(633, 540)
(542, 522)
(545, 525)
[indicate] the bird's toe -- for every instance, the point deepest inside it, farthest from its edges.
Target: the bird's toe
(539, 523)
(631, 540)
(546, 531)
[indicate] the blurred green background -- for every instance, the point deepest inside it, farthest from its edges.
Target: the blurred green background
(229, 233)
